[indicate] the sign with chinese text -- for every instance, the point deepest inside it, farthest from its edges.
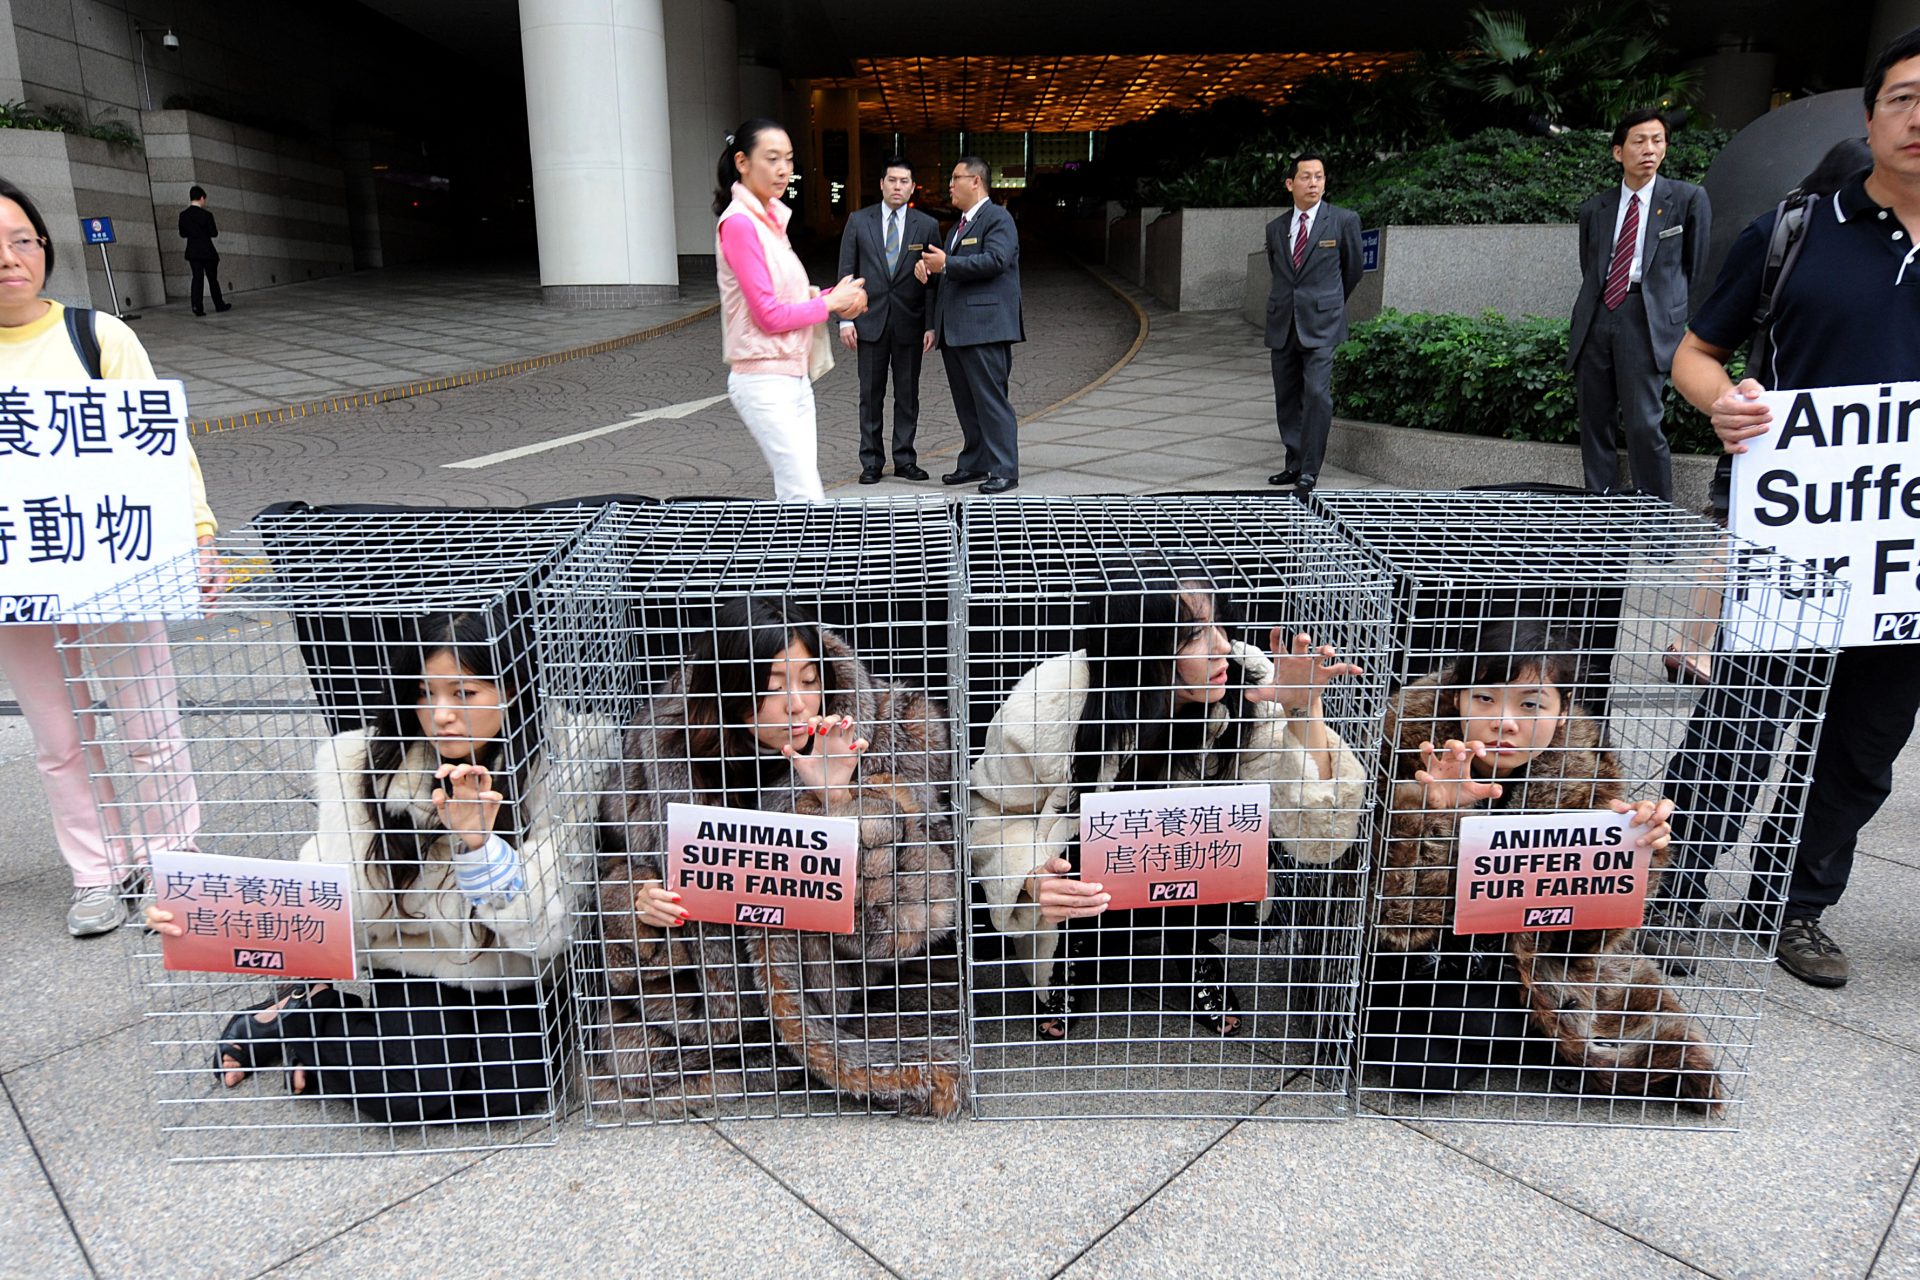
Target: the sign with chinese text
(1556, 871)
(97, 230)
(1370, 250)
(1834, 486)
(776, 870)
(1177, 846)
(94, 489)
(256, 916)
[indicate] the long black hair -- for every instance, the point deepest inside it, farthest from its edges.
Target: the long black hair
(727, 673)
(1132, 634)
(490, 646)
(739, 143)
(27, 206)
(1503, 652)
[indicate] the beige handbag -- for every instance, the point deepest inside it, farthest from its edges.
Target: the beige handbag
(820, 354)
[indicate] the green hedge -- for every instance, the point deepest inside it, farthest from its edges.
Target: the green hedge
(1483, 376)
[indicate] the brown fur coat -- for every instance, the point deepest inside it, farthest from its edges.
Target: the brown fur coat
(1606, 1008)
(682, 995)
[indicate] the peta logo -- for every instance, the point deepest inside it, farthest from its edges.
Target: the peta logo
(748, 913)
(1174, 891)
(29, 608)
(1896, 626)
(1545, 917)
(271, 960)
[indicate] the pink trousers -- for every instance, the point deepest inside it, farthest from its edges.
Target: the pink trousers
(154, 804)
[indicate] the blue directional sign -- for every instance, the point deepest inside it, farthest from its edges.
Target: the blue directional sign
(1370, 250)
(97, 230)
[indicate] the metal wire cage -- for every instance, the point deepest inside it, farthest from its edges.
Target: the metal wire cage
(305, 717)
(1123, 647)
(719, 633)
(1589, 654)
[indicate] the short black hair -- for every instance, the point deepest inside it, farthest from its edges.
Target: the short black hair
(1640, 115)
(196, 192)
(1902, 48)
(10, 192)
(1302, 158)
(977, 167)
(896, 162)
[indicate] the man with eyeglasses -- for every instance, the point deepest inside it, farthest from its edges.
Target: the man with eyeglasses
(1847, 314)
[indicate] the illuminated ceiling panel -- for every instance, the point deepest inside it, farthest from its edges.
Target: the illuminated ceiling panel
(1074, 92)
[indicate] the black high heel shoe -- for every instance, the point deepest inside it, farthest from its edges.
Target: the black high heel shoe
(1213, 999)
(255, 1044)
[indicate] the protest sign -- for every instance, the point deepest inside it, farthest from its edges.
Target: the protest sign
(94, 489)
(777, 870)
(1834, 486)
(1177, 846)
(1531, 872)
(256, 915)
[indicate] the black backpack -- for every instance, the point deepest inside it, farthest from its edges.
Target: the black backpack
(86, 343)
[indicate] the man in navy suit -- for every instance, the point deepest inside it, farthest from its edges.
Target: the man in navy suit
(976, 321)
(1313, 251)
(881, 245)
(1642, 244)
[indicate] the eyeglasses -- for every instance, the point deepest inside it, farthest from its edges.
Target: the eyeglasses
(27, 246)
(1898, 104)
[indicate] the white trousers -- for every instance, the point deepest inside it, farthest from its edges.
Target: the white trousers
(778, 410)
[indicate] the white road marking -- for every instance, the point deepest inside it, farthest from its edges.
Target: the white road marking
(651, 415)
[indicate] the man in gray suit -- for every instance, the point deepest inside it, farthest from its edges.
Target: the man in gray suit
(976, 321)
(1313, 251)
(1641, 245)
(881, 245)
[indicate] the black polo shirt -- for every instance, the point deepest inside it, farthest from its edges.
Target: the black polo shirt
(1849, 312)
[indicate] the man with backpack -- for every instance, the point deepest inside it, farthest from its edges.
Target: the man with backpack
(1829, 287)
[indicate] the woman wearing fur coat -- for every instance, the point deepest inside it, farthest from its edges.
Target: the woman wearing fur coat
(1498, 731)
(1158, 694)
(773, 711)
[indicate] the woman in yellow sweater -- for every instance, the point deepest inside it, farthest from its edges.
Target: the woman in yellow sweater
(36, 345)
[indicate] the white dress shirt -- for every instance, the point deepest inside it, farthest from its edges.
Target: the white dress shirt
(1639, 240)
(1308, 216)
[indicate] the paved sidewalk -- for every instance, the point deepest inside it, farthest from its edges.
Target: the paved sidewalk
(1819, 1183)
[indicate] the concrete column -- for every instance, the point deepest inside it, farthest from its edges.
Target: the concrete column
(596, 73)
(1737, 85)
(11, 88)
(1891, 19)
(703, 101)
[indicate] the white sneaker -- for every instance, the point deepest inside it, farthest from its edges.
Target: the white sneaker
(96, 909)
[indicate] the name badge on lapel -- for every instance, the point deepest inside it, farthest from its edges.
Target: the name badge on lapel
(1670, 231)
(1329, 244)
(916, 248)
(971, 240)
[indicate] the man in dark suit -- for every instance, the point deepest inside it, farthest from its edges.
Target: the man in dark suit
(882, 244)
(976, 321)
(1641, 245)
(198, 230)
(1313, 251)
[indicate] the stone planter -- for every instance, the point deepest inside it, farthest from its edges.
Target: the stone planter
(1195, 257)
(70, 177)
(1415, 458)
(1513, 269)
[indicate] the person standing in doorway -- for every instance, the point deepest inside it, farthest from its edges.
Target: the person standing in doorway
(198, 229)
(976, 321)
(1313, 251)
(881, 244)
(1642, 244)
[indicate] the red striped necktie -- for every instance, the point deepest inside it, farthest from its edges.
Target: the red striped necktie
(1300, 243)
(1623, 255)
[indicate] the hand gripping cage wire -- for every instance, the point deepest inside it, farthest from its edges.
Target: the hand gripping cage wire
(717, 634)
(1600, 650)
(316, 708)
(1121, 645)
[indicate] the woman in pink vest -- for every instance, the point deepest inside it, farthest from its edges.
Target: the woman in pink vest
(768, 312)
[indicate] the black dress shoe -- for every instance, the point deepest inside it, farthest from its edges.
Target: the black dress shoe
(999, 484)
(198, 312)
(1285, 478)
(870, 476)
(962, 477)
(224, 306)
(1303, 490)
(909, 472)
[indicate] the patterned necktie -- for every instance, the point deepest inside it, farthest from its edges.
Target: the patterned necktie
(1623, 255)
(893, 239)
(1300, 243)
(957, 233)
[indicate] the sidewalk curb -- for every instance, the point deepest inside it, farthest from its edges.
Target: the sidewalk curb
(405, 390)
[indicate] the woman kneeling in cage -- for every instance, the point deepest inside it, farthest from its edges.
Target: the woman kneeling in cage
(1158, 694)
(441, 807)
(773, 711)
(1497, 731)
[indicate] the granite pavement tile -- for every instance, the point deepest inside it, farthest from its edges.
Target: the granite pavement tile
(1874, 924)
(1900, 1253)
(1807, 1187)
(35, 1239)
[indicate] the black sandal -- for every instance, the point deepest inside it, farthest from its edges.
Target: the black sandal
(1213, 999)
(1053, 1012)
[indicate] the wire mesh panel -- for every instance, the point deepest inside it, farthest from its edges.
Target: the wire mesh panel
(362, 694)
(1548, 943)
(784, 672)
(1133, 673)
